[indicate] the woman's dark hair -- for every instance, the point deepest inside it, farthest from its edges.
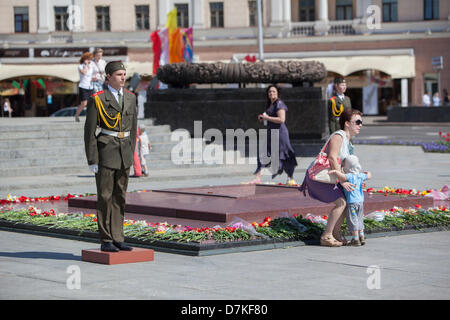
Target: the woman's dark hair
(267, 93)
(347, 115)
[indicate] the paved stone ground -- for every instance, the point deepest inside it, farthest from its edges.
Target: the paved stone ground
(409, 267)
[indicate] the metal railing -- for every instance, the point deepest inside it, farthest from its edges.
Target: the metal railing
(302, 28)
(341, 27)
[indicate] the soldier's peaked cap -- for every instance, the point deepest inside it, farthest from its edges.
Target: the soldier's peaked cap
(339, 80)
(113, 66)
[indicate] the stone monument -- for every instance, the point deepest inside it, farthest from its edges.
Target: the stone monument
(238, 108)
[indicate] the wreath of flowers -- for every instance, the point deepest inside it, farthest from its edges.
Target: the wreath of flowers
(281, 227)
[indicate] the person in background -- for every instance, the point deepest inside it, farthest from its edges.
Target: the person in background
(7, 110)
(137, 163)
(144, 148)
(85, 90)
(98, 77)
(436, 100)
(426, 100)
(275, 117)
(337, 104)
(445, 99)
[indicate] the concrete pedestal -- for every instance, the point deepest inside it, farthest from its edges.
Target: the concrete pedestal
(136, 255)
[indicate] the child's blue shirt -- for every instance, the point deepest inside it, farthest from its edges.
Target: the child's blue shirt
(357, 194)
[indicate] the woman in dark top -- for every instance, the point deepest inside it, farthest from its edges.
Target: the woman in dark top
(275, 115)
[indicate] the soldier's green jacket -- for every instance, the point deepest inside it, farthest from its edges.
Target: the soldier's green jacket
(334, 121)
(105, 150)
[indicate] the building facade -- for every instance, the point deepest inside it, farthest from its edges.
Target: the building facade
(384, 48)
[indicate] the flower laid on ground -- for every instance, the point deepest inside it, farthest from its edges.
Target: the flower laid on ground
(13, 199)
(393, 191)
(278, 228)
(398, 191)
(441, 194)
(445, 136)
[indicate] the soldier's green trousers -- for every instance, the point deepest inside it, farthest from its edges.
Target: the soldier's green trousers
(334, 126)
(111, 194)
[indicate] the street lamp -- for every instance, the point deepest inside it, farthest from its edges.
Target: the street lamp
(260, 30)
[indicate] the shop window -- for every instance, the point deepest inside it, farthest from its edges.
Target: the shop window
(253, 13)
(182, 15)
(430, 82)
(390, 10)
(430, 9)
(61, 17)
(142, 18)
(344, 9)
(216, 9)
(103, 21)
(307, 10)
(21, 21)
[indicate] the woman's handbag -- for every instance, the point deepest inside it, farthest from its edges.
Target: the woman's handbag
(318, 170)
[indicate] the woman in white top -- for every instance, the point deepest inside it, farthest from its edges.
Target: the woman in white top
(85, 90)
(98, 64)
(426, 100)
(7, 110)
(338, 149)
(436, 99)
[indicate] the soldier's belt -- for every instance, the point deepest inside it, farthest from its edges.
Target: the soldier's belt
(118, 134)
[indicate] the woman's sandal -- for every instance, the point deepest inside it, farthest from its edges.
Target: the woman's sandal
(342, 240)
(329, 241)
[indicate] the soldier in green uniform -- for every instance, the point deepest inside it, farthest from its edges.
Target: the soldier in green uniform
(337, 104)
(110, 140)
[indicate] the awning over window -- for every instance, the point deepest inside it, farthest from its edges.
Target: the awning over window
(64, 71)
(398, 63)
(396, 66)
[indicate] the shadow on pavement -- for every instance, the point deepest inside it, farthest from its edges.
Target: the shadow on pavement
(41, 255)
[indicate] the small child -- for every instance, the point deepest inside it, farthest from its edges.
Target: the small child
(144, 148)
(355, 198)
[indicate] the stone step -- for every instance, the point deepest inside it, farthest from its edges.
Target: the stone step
(28, 124)
(43, 170)
(65, 160)
(69, 132)
(7, 154)
(39, 143)
(33, 153)
(75, 148)
(69, 142)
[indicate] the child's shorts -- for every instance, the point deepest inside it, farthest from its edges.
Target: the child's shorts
(355, 216)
